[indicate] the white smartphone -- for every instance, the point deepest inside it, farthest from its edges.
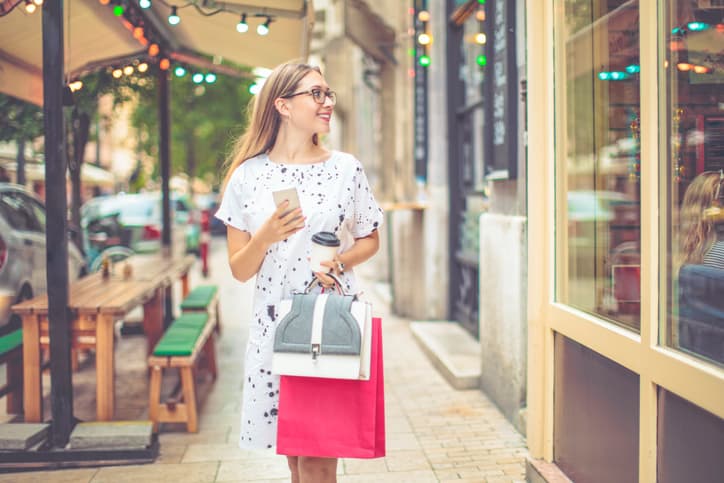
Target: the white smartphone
(287, 194)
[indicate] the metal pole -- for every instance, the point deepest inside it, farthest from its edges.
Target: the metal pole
(164, 149)
(61, 387)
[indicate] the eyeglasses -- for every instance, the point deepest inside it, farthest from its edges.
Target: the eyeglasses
(318, 95)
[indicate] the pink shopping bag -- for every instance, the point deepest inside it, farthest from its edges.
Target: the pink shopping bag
(334, 418)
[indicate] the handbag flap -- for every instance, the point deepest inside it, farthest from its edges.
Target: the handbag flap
(340, 330)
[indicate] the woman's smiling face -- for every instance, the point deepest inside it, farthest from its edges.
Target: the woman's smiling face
(305, 112)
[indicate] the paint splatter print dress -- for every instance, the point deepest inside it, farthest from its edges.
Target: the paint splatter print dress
(335, 196)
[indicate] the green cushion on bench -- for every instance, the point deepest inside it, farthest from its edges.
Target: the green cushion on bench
(191, 319)
(11, 341)
(199, 298)
(178, 341)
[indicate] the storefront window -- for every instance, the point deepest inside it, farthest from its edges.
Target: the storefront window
(694, 73)
(597, 79)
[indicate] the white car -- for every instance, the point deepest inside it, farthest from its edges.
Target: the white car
(22, 250)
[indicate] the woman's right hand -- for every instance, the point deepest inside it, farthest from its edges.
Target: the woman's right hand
(280, 226)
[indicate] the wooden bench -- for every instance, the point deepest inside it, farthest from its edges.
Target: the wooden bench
(204, 298)
(188, 337)
(11, 354)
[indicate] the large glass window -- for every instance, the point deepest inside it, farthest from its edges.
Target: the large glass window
(597, 78)
(694, 184)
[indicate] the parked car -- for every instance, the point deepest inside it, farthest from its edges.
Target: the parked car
(139, 216)
(22, 250)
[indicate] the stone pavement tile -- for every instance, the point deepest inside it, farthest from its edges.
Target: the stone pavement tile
(56, 476)
(224, 452)
(364, 466)
(169, 473)
(215, 435)
(253, 469)
(397, 477)
(170, 453)
(400, 441)
(407, 460)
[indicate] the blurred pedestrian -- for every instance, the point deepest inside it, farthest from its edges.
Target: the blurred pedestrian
(282, 149)
(702, 240)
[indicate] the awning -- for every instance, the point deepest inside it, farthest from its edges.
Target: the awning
(95, 37)
(90, 175)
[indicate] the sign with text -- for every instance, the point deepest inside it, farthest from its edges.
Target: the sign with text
(420, 99)
(501, 90)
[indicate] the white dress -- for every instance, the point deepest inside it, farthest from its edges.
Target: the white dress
(335, 196)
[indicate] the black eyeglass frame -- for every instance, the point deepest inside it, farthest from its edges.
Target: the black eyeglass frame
(322, 94)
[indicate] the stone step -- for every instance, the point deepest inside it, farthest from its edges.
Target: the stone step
(112, 435)
(452, 350)
(22, 436)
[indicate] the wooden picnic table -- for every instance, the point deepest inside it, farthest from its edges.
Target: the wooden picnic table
(96, 303)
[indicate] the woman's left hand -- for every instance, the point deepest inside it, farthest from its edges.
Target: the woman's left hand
(324, 278)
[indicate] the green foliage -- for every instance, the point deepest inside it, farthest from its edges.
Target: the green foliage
(205, 119)
(22, 121)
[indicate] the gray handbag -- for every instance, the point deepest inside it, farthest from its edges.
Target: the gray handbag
(323, 335)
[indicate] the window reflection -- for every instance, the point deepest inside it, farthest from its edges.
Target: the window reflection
(695, 74)
(598, 82)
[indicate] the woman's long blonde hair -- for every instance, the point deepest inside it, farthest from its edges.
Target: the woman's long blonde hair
(698, 233)
(264, 119)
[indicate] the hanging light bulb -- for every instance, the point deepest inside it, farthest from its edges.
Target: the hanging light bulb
(144, 4)
(210, 78)
(263, 29)
(30, 6)
(242, 26)
(164, 64)
(173, 17)
(179, 71)
(142, 67)
(153, 50)
(128, 70)
(117, 73)
(197, 78)
(480, 38)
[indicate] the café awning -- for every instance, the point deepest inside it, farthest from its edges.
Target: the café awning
(206, 36)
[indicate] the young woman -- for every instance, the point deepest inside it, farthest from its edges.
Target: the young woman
(281, 149)
(700, 242)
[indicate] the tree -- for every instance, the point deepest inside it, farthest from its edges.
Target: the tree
(80, 116)
(23, 122)
(205, 119)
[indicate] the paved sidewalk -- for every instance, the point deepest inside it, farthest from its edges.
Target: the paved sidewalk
(434, 433)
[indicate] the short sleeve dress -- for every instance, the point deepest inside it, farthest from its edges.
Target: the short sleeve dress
(335, 196)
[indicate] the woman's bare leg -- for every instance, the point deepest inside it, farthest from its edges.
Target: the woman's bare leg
(293, 462)
(317, 470)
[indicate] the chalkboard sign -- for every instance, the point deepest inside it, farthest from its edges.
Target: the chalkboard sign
(501, 91)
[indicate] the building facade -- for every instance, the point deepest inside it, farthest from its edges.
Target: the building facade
(625, 330)
(540, 188)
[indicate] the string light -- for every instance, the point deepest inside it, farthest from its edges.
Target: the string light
(164, 64)
(128, 70)
(173, 17)
(117, 73)
(263, 29)
(153, 50)
(179, 71)
(242, 26)
(142, 67)
(197, 78)
(76, 85)
(30, 6)
(210, 78)
(144, 4)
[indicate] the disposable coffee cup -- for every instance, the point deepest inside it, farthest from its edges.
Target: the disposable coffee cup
(324, 248)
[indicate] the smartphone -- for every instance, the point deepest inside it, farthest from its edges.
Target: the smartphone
(287, 194)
